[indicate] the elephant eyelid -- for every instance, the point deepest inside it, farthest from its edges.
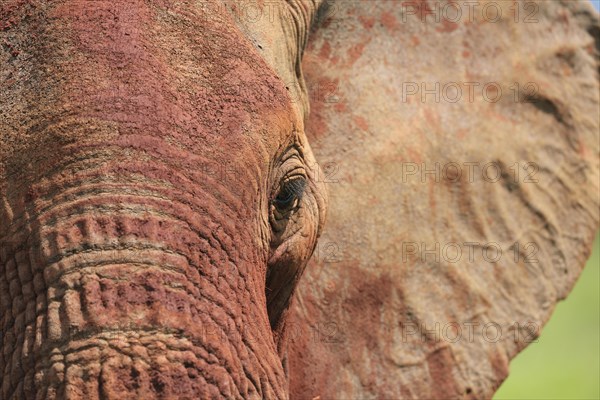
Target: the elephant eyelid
(290, 190)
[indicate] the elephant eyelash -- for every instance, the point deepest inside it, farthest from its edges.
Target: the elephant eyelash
(289, 194)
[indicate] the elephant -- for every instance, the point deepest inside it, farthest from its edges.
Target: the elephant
(289, 198)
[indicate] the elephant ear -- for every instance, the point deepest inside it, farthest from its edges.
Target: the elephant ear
(462, 164)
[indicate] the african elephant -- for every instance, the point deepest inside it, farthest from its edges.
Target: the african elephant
(160, 201)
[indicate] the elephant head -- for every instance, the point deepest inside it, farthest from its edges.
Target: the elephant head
(159, 200)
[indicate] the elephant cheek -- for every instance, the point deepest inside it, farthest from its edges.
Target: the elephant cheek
(124, 296)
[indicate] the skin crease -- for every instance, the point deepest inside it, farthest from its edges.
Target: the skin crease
(149, 244)
(141, 256)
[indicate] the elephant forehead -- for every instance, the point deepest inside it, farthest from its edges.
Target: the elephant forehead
(180, 73)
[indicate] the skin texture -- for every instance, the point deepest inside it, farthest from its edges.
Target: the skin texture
(148, 147)
(386, 308)
(139, 257)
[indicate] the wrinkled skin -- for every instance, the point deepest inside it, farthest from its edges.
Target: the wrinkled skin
(159, 200)
(151, 237)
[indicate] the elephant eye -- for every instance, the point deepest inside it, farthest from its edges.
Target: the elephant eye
(290, 192)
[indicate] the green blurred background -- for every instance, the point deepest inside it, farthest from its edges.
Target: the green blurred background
(565, 362)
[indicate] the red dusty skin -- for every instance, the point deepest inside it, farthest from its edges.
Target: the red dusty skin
(131, 268)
